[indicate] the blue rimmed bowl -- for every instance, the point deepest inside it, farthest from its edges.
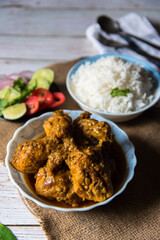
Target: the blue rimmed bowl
(34, 127)
(116, 117)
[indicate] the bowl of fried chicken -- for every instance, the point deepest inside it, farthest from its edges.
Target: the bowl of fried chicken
(70, 160)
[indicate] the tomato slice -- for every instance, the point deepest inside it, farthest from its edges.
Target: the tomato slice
(58, 99)
(44, 96)
(32, 104)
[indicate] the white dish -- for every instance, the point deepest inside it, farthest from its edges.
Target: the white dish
(119, 117)
(34, 127)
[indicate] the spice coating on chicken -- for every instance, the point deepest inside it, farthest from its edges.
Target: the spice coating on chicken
(90, 130)
(56, 185)
(89, 178)
(60, 125)
(68, 161)
(32, 154)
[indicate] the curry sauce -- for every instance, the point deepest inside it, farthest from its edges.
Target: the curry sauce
(117, 180)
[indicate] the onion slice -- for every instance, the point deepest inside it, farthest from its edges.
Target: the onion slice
(8, 80)
(26, 74)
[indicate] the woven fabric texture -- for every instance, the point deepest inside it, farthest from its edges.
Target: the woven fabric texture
(135, 214)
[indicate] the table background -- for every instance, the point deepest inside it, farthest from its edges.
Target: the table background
(34, 34)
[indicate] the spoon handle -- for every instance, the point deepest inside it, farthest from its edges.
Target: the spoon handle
(141, 39)
(145, 54)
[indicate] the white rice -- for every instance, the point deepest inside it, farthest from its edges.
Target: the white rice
(93, 83)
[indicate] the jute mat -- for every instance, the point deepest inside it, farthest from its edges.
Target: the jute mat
(135, 214)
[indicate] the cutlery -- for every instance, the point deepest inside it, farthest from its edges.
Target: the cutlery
(110, 25)
(116, 44)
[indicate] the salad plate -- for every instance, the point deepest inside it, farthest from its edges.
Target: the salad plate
(28, 93)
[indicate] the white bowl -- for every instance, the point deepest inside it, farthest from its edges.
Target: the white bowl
(116, 117)
(34, 127)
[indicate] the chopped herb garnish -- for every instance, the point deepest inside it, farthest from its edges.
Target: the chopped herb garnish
(19, 85)
(24, 94)
(116, 92)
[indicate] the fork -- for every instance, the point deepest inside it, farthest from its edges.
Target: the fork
(116, 44)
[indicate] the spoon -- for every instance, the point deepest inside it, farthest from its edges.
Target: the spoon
(110, 25)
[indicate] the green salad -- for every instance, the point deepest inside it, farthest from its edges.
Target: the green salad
(18, 99)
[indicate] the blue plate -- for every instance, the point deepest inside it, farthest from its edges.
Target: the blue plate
(34, 127)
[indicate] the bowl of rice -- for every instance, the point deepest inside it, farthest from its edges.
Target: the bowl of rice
(114, 86)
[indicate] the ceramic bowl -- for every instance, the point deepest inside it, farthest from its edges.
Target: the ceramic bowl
(34, 127)
(116, 117)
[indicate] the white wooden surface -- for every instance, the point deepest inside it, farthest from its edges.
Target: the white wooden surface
(33, 34)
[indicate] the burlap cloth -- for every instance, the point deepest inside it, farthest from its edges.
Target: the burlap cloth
(135, 214)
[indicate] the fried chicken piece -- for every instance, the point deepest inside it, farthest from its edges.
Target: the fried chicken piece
(68, 162)
(57, 156)
(56, 185)
(33, 154)
(89, 176)
(60, 125)
(54, 180)
(90, 131)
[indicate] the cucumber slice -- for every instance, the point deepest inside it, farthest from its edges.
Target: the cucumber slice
(3, 93)
(41, 83)
(44, 78)
(12, 94)
(15, 111)
(44, 73)
(9, 93)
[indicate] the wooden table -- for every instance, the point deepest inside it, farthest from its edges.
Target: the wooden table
(33, 34)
